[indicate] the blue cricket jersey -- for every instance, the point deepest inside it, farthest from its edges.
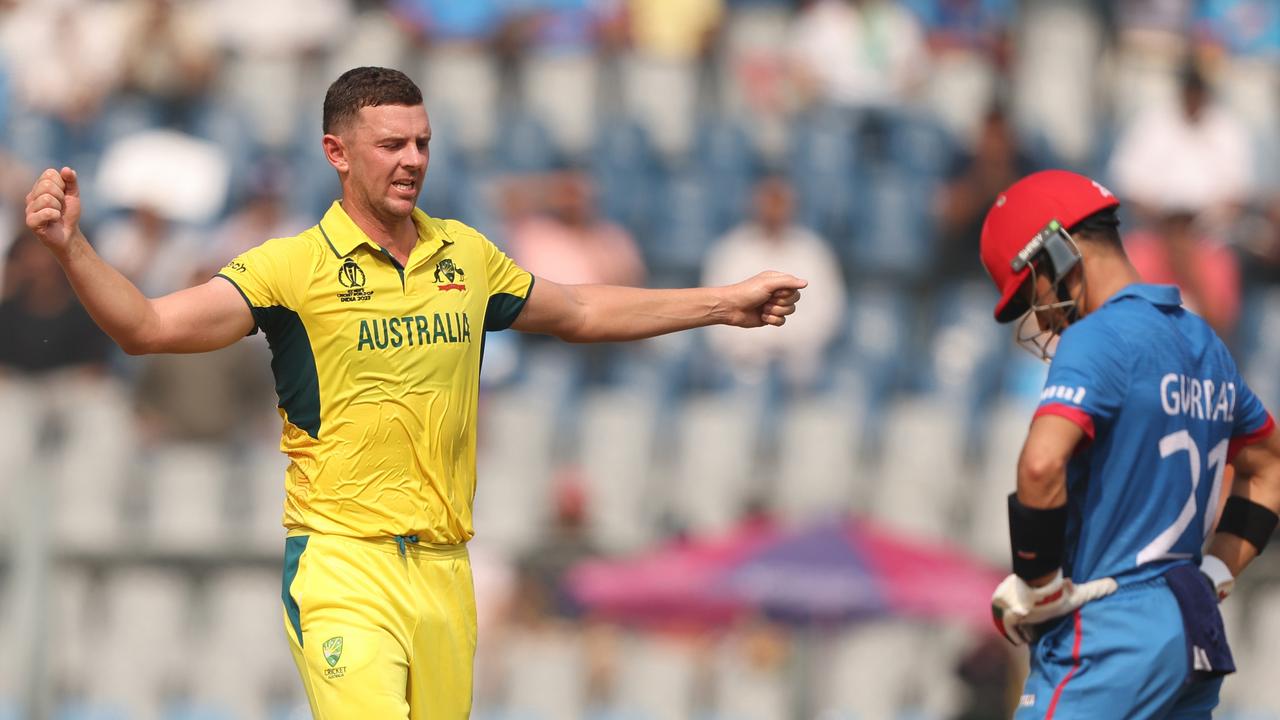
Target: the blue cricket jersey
(1164, 409)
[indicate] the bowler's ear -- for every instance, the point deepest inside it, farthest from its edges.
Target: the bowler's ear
(335, 151)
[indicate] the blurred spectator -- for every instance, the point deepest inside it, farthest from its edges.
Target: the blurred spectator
(1239, 40)
(1150, 44)
(1176, 251)
(857, 53)
(662, 76)
(213, 397)
(148, 249)
(563, 43)
(968, 43)
(1192, 155)
(1257, 236)
(973, 182)
(169, 57)
(570, 243)
(62, 92)
(461, 49)
(263, 214)
(268, 69)
(772, 240)
(542, 568)
(45, 328)
(1056, 63)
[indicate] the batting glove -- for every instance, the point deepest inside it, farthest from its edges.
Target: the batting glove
(1219, 576)
(1017, 608)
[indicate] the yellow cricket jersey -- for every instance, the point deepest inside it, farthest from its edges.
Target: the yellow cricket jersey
(377, 370)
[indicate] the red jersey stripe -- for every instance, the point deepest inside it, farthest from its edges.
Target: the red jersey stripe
(1075, 665)
(1074, 414)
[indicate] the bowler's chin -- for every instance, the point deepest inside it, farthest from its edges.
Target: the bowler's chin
(400, 206)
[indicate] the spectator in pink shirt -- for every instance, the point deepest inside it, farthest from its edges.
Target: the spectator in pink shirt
(1175, 250)
(569, 243)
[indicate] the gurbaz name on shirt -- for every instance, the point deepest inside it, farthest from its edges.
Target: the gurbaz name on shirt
(413, 331)
(1200, 398)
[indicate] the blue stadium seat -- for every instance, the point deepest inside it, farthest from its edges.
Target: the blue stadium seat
(76, 710)
(724, 155)
(523, 144)
(895, 236)
(822, 164)
(685, 228)
(919, 144)
(626, 171)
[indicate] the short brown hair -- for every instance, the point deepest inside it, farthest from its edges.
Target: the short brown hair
(365, 87)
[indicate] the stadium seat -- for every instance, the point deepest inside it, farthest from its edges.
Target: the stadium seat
(686, 227)
(147, 614)
(242, 611)
(260, 478)
(817, 472)
(916, 491)
(713, 477)
(1060, 45)
(462, 87)
(662, 95)
(724, 156)
(1258, 691)
(187, 498)
(559, 88)
(655, 678)
(73, 616)
(871, 669)
(616, 452)
(822, 165)
(546, 675)
(895, 235)
(512, 501)
(919, 146)
(92, 470)
(626, 169)
(987, 513)
(524, 145)
(750, 679)
(875, 348)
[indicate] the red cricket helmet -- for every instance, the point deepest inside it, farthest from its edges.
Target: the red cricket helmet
(1021, 220)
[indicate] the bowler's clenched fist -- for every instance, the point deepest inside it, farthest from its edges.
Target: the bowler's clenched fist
(53, 207)
(766, 299)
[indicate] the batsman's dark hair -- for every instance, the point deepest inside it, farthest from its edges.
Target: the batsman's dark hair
(1101, 227)
(365, 87)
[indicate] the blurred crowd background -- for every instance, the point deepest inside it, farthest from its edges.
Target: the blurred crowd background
(857, 143)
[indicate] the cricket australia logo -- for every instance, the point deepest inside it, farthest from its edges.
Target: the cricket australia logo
(452, 274)
(352, 277)
(332, 650)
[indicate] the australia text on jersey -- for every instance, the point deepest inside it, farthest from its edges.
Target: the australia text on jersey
(413, 331)
(1200, 398)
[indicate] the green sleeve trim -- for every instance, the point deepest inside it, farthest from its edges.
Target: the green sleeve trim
(293, 362)
(293, 548)
(252, 310)
(504, 308)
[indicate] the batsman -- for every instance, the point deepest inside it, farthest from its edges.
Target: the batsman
(1123, 543)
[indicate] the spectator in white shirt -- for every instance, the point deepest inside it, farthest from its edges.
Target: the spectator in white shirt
(1192, 155)
(797, 348)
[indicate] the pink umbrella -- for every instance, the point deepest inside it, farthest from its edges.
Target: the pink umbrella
(834, 571)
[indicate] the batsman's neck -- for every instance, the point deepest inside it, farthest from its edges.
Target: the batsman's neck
(1105, 273)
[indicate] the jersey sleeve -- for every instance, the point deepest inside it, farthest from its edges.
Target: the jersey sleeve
(262, 275)
(1088, 378)
(509, 288)
(1252, 422)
